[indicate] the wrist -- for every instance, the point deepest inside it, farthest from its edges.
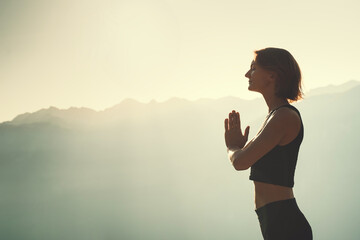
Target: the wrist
(232, 152)
(233, 148)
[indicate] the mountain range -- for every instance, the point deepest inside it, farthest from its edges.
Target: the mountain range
(160, 170)
(131, 108)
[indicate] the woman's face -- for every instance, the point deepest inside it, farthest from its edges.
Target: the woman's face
(259, 78)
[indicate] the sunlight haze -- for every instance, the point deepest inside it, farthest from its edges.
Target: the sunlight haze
(112, 117)
(97, 53)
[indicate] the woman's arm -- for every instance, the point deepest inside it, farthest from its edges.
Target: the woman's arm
(283, 123)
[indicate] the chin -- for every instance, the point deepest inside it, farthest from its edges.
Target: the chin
(251, 89)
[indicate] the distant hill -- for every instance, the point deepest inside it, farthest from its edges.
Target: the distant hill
(160, 170)
(130, 109)
(334, 88)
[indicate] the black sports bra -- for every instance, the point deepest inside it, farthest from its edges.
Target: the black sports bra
(278, 165)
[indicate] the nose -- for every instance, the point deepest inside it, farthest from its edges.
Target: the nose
(247, 74)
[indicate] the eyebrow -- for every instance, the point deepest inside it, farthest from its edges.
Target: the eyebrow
(252, 63)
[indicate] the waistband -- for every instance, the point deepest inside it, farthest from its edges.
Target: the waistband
(281, 203)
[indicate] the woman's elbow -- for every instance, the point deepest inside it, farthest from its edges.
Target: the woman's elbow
(240, 166)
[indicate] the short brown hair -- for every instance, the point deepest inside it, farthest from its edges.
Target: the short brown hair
(288, 72)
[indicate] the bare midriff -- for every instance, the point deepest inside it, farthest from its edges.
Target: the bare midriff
(266, 193)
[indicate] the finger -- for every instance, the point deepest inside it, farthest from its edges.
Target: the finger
(238, 120)
(231, 120)
(234, 117)
(226, 124)
(247, 130)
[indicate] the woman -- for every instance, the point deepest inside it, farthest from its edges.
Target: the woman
(272, 153)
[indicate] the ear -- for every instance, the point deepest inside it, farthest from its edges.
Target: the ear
(273, 76)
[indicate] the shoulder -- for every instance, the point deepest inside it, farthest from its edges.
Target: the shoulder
(287, 119)
(287, 112)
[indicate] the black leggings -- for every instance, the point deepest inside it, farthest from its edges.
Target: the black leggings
(283, 220)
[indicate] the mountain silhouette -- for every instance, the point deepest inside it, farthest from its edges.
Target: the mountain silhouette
(160, 170)
(334, 88)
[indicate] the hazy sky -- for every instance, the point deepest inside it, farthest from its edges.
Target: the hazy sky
(96, 53)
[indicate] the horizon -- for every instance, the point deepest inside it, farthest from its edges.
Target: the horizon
(168, 99)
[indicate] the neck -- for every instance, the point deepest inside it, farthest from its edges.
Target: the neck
(272, 101)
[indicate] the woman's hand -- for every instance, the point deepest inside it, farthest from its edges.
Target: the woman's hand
(233, 134)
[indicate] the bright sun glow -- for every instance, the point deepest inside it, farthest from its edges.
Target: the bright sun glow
(97, 53)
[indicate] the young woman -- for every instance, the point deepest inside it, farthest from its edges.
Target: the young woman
(272, 153)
